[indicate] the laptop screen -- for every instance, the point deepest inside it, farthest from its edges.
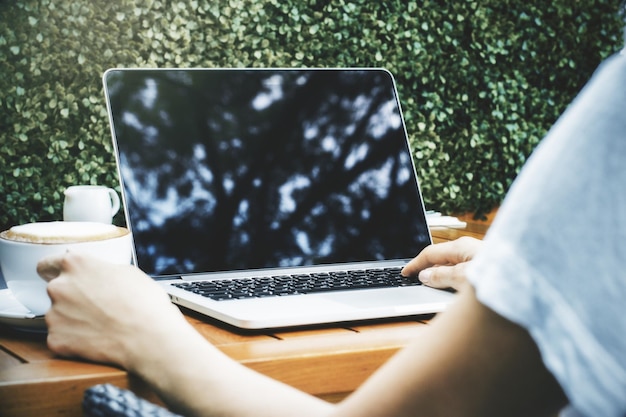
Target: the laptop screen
(234, 169)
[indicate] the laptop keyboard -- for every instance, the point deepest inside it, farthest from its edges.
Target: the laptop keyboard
(230, 289)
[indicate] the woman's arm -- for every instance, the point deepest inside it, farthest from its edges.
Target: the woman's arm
(140, 330)
(468, 362)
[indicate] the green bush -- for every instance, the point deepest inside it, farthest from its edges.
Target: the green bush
(480, 82)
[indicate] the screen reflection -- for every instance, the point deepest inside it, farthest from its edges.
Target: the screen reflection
(242, 169)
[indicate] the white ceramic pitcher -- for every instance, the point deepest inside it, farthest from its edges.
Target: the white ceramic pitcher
(90, 203)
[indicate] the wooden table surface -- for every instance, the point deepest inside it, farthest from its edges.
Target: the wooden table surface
(327, 361)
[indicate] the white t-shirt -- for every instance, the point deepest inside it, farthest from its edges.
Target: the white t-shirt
(554, 260)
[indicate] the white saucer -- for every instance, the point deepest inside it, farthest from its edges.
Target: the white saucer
(14, 314)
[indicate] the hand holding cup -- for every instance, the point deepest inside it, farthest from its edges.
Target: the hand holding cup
(22, 247)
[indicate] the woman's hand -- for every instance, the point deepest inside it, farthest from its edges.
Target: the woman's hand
(443, 265)
(104, 312)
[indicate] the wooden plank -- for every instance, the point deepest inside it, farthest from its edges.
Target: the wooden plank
(331, 366)
(326, 376)
(221, 334)
(28, 347)
(476, 230)
(52, 387)
(8, 360)
(322, 343)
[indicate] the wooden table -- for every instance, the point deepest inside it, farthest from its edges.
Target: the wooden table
(327, 361)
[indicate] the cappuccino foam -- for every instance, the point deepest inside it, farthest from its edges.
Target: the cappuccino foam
(62, 232)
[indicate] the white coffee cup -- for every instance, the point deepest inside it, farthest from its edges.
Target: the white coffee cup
(22, 247)
(90, 203)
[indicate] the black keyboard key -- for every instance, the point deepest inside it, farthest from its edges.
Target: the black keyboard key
(298, 284)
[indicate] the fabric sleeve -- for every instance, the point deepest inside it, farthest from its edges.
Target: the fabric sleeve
(554, 259)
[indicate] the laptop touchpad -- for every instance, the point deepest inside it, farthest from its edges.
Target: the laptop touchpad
(392, 297)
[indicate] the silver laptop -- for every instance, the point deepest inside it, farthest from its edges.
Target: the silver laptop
(271, 198)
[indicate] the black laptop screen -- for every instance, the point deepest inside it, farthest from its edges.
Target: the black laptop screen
(244, 169)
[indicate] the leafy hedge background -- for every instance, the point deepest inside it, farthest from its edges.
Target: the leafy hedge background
(480, 82)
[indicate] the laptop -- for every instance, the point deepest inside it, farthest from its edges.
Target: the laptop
(270, 198)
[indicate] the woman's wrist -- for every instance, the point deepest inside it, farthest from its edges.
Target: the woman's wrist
(152, 339)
